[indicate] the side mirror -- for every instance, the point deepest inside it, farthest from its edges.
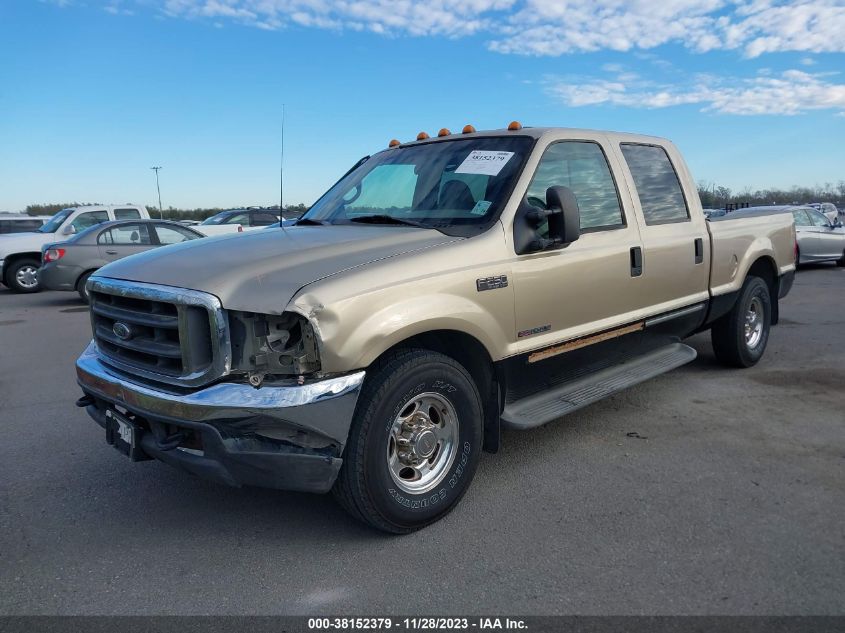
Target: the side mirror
(562, 216)
(70, 229)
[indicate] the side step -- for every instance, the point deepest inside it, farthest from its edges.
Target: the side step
(546, 406)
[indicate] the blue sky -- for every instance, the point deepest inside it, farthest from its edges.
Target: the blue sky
(94, 92)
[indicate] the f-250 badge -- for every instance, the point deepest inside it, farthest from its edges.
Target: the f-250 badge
(491, 283)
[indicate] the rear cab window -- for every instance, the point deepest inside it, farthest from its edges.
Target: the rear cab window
(126, 214)
(657, 184)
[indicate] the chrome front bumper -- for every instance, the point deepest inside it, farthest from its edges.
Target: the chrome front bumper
(293, 423)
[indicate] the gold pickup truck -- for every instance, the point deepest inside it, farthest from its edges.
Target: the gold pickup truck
(442, 289)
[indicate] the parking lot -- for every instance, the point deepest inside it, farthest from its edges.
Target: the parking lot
(704, 491)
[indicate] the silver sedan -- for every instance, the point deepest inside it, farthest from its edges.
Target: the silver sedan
(67, 265)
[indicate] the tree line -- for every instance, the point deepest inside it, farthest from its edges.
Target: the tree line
(170, 213)
(712, 196)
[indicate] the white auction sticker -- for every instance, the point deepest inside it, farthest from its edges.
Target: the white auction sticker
(483, 162)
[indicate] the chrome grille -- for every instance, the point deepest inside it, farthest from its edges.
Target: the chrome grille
(161, 333)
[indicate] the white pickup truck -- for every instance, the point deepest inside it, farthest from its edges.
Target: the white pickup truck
(20, 253)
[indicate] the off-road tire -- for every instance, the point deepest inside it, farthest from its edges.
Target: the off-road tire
(728, 334)
(365, 487)
(11, 275)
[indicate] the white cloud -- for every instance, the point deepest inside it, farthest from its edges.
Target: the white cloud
(792, 92)
(557, 27)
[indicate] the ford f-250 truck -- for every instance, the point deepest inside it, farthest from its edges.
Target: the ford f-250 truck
(441, 290)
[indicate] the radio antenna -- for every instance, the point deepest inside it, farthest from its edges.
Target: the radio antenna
(282, 175)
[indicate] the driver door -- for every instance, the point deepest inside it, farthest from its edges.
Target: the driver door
(592, 284)
(123, 240)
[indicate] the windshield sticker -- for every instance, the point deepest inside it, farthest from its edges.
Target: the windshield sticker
(483, 162)
(481, 207)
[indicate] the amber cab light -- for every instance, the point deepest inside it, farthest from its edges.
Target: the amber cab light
(422, 136)
(394, 143)
(444, 132)
(514, 126)
(53, 254)
(468, 129)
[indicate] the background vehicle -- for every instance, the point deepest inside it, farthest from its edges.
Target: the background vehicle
(250, 219)
(20, 253)
(828, 209)
(440, 290)
(67, 265)
(819, 239)
(17, 223)
(713, 213)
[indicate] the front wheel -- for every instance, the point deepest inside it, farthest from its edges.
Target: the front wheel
(22, 275)
(81, 287)
(740, 337)
(414, 443)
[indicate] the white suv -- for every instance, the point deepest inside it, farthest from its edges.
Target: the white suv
(20, 253)
(16, 223)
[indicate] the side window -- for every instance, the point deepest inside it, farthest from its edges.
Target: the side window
(263, 219)
(238, 218)
(818, 219)
(581, 166)
(800, 217)
(658, 187)
(126, 235)
(5, 226)
(173, 235)
(126, 214)
(84, 220)
(386, 188)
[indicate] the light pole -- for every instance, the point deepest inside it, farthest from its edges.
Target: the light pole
(160, 213)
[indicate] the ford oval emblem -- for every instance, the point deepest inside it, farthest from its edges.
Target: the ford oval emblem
(122, 331)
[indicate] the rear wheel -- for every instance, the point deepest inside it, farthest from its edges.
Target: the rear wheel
(22, 275)
(81, 289)
(740, 337)
(414, 443)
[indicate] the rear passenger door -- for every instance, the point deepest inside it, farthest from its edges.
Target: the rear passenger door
(676, 244)
(121, 241)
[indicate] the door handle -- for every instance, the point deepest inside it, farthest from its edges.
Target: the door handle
(636, 261)
(110, 252)
(699, 250)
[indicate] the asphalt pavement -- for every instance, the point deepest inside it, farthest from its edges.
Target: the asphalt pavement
(703, 491)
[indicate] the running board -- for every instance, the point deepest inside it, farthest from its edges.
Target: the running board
(546, 406)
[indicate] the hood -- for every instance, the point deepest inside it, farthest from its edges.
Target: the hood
(12, 243)
(262, 270)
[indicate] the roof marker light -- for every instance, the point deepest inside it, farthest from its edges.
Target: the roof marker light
(393, 143)
(443, 132)
(514, 126)
(468, 129)
(422, 136)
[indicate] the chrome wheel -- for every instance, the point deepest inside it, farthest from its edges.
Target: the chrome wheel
(754, 323)
(423, 443)
(27, 276)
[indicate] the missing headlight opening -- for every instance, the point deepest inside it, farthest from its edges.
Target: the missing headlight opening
(268, 345)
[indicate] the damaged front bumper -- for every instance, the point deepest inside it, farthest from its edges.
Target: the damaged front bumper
(287, 436)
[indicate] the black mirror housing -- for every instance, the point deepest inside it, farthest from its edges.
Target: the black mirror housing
(566, 225)
(562, 214)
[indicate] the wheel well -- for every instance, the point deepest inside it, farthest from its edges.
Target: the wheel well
(11, 259)
(473, 356)
(765, 269)
(78, 279)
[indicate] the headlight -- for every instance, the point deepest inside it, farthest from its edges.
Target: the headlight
(274, 345)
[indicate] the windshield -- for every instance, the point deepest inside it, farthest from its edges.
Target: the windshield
(458, 186)
(55, 222)
(217, 219)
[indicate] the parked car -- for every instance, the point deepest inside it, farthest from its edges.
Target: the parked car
(20, 253)
(17, 223)
(67, 265)
(818, 239)
(249, 219)
(713, 213)
(438, 292)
